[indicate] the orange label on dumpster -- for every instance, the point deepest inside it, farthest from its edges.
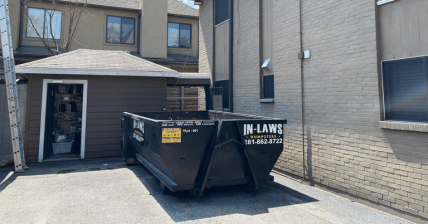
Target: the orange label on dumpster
(171, 135)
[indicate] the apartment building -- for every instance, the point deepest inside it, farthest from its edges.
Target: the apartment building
(349, 76)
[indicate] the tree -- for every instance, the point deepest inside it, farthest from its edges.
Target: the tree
(42, 28)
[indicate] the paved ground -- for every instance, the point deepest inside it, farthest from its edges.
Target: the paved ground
(106, 191)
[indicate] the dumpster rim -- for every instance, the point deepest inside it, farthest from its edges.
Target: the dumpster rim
(250, 117)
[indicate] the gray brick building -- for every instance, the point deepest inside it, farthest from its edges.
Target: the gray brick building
(357, 108)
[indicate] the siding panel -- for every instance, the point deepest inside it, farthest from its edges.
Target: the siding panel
(222, 51)
(404, 24)
(6, 151)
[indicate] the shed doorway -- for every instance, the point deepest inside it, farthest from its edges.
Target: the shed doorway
(63, 120)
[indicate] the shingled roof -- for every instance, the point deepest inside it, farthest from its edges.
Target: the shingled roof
(179, 8)
(96, 62)
(174, 7)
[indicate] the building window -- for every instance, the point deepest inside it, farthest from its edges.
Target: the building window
(120, 30)
(179, 35)
(221, 11)
(268, 87)
(44, 23)
(405, 85)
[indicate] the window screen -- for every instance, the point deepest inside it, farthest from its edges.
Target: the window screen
(405, 85)
(46, 23)
(179, 35)
(221, 11)
(268, 87)
(224, 84)
(120, 30)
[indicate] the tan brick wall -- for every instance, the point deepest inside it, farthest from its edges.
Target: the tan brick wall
(346, 148)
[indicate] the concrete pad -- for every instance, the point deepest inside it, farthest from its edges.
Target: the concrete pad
(107, 191)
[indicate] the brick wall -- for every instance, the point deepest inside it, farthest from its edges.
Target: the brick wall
(346, 149)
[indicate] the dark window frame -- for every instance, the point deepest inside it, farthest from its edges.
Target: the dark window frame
(120, 35)
(268, 93)
(179, 35)
(44, 26)
(390, 110)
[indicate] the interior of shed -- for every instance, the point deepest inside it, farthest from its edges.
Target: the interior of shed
(63, 128)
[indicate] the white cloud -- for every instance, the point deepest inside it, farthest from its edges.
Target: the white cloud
(190, 3)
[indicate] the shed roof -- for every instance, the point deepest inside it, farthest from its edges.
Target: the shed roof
(96, 62)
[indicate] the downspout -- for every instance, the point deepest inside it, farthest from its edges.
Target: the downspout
(302, 83)
(21, 24)
(231, 55)
(139, 32)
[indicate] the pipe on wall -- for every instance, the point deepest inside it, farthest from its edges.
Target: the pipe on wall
(21, 23)
(302, 92)
(231, 55)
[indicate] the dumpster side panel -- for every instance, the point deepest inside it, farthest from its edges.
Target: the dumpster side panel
(263, 140)
(229, 162)
(183, 157)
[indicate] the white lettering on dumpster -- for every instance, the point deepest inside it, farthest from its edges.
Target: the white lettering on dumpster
(138, 130)
(262, 129)
(263, 134)
(248, 129)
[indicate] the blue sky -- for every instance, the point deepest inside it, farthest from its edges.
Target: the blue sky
(188, 2)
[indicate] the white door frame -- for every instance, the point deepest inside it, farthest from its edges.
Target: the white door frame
(43, 116)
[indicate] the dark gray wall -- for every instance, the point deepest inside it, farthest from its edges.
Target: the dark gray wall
(404, 29)
(108, 98)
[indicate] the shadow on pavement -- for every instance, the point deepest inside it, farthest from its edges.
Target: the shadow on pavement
(182, 206)
(7, 174)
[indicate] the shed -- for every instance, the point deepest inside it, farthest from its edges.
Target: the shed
(75, 101)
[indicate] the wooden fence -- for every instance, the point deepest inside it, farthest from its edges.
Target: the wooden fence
(183, 98)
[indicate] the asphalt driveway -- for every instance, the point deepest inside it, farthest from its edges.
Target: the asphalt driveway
(107, 191)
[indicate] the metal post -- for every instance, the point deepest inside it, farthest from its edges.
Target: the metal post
(11, 88)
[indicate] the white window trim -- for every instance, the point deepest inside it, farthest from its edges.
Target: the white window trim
(43, 116)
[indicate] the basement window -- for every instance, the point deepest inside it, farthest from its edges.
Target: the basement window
(405, 86)
(120, 30)
(179, 35)
(43, 23)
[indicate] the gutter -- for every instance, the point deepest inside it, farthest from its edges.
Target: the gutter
(183, 16)
(230, 55)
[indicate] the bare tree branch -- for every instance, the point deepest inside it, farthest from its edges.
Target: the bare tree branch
(33, 27)
(73, 9)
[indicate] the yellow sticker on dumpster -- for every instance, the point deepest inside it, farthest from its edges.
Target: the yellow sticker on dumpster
(171, 135)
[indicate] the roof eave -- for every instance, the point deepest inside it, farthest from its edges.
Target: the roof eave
(96, 72)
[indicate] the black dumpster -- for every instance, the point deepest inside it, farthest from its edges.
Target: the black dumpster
(198, 150)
